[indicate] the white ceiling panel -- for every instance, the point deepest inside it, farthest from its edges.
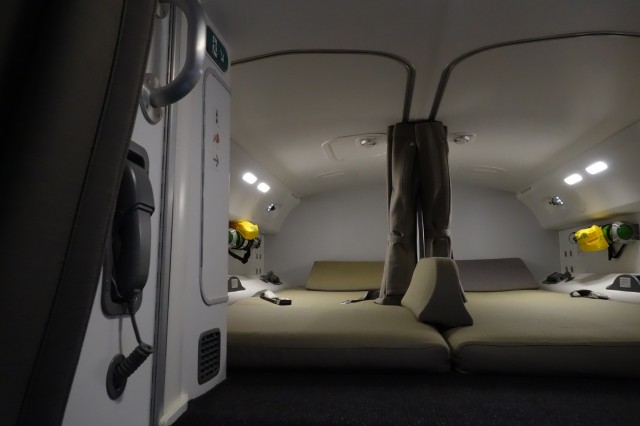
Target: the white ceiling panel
(533, 107)
(285, 108)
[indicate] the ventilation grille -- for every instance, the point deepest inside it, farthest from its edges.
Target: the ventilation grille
(208, 355)
(356, 147)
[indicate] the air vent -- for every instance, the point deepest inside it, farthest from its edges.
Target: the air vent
(356, 147)
(208, 355)
(461, 138)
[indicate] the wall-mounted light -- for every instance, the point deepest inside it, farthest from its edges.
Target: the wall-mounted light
(461, 138)
(556, 201)
(597, 167)
(573, 179)
(367, 141)
(263, 187)
(250, 178)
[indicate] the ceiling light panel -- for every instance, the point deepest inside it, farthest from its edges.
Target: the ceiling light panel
(250, 178)
(573, 179)
(597, 167)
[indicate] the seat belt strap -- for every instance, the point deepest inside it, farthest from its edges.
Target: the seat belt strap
(614, 254)
(588, 293)
(367, 295)
(243, 259)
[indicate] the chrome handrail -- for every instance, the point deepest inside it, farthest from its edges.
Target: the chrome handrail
(446, 73)
(193, 64)
(411, 71)
(153, 96)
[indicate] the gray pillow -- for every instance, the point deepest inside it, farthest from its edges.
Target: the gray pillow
(495, 275)
(434, 295)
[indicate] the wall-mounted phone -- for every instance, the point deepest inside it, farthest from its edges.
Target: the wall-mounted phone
(126, 264)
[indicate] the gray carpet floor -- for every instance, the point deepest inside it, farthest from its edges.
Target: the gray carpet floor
(392, 398)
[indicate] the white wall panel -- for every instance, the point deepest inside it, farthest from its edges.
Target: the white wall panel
(488, 223)
(341, 225)
(352, 225)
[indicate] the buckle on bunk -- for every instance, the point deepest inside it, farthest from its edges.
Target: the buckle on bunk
(588, 293)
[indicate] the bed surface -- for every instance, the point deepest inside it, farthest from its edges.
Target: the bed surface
(316, 330)
(542, 332)
(515, 330)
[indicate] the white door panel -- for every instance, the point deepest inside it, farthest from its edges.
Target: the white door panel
(215, 189)
(105, 337)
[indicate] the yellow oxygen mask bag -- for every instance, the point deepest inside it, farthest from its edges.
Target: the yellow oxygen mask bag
(243, 235)
(248, 230)
(591, 239)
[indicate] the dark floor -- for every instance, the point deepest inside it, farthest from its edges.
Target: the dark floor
(334, 398)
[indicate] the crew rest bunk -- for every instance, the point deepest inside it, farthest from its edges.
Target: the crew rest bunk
(518, 327)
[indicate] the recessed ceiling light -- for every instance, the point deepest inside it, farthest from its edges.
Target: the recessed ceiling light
(597, 167)
(573, 179)
(367, 141)
(556, 201)
(249, 178)
(263, 187)
(462, 138)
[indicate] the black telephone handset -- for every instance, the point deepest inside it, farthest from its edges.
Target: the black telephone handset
(127, 259)
(131, 237)
(128, 254)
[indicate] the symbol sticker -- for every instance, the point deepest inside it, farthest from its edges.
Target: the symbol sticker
(217, 51)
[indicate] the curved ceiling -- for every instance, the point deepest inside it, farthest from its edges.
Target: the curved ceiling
(531, 106)
(285, 108)
(535, 107)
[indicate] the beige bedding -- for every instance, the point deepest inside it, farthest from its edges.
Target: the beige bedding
(316, 330)
(543, 332)
(514, 332)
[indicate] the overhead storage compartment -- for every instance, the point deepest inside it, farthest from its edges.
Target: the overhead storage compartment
(612, 191)
(247, 201)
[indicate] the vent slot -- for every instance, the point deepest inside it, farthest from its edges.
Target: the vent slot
(208, 355)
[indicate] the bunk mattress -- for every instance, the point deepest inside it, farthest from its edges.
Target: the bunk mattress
(317, 331)
(547, 333)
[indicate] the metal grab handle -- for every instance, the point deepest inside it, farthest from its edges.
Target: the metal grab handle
(193, 64)
(154, 97)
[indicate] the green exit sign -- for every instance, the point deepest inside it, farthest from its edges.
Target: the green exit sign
(217, 51)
